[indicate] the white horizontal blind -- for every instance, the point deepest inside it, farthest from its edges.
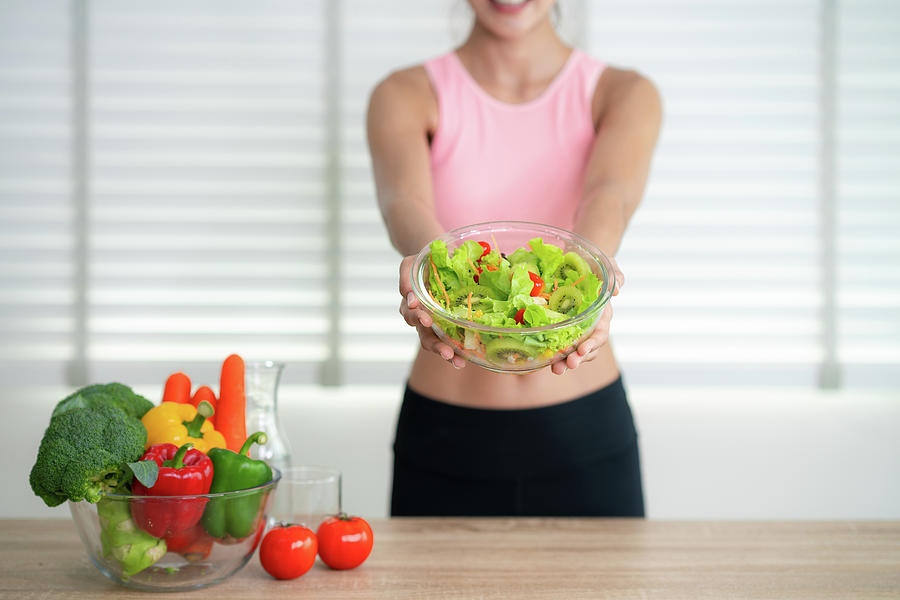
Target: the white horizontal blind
(376, 343)
(721, 260)
(868, 175)
(207, 182)
(36, 216)
(208, 129)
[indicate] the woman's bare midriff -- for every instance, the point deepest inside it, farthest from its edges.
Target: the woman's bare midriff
(473, 386)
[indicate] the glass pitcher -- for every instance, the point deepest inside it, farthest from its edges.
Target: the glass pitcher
(261, 388)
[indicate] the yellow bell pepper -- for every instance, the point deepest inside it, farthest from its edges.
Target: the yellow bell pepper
(177, 423)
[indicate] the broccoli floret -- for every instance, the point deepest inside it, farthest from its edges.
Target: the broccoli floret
(83, 454)
(109, 394)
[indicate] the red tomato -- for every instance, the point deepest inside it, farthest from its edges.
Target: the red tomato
(487, 249)
(344, 542)
(288, 551)
(194, 544)
(520, 316)
(538, 284)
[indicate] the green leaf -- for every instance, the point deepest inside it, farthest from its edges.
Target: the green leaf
(145, 471)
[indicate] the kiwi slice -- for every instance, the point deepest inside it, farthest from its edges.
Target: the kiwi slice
(507, 350)
(572, 264)
(479, 293)
(565, 300)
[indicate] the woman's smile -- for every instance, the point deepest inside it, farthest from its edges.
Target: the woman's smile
(509, 6)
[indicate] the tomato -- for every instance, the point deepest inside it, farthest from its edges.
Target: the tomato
(193, 544)
(344, 542)
(288, 551)
(520, 316)
(487, 249)
(538, 284)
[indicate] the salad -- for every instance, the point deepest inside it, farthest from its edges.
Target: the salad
(532, 287)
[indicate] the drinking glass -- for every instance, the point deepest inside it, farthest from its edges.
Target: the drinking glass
(311, 494)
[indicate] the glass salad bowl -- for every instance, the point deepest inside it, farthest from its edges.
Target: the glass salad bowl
(217, 546)
(514, 296)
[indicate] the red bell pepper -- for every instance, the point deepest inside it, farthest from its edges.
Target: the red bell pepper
(183, 471)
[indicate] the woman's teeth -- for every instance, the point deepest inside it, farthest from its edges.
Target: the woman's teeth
(510, 2)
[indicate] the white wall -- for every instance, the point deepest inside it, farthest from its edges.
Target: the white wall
(712, 453)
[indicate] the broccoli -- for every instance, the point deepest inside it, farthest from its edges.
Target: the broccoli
(111, 394)
(83, 454)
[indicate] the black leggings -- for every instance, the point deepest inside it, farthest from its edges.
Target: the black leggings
(577, 458)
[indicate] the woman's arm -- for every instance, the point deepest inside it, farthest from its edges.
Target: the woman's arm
(402, 113)
(399, 120)
(629, 116)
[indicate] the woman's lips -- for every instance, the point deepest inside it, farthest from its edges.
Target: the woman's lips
(509, 6)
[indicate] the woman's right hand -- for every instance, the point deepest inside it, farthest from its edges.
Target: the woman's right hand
(417, 317)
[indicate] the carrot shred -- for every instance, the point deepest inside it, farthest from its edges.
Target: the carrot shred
(579, 280)
(555, 284)
(469, 304)
(471, 264)
(544, 295)
(496, 245)
(440, 283)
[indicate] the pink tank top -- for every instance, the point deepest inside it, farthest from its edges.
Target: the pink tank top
(491, 160)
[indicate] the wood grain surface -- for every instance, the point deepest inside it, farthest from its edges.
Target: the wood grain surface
(522, 558)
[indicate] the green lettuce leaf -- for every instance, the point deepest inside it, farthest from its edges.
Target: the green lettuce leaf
(549, 257)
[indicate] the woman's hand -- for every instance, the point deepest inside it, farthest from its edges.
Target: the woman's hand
(589, 348)
(416, 317)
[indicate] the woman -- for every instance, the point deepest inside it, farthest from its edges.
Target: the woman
(512, 125)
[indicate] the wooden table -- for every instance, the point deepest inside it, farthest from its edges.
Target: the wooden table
(523, 558)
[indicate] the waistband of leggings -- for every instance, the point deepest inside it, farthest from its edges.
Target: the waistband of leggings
(465, 441)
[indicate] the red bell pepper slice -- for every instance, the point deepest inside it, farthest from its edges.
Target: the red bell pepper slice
(183, 471)
(538, 284)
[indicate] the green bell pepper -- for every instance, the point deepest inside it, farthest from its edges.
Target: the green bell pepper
(236, 517)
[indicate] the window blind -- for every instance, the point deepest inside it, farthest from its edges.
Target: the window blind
(36, 233)
(376, 343)
(868, 180)
(207, 186)
(721, 259)
(229, 204)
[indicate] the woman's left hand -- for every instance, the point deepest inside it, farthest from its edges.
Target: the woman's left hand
(590, 347)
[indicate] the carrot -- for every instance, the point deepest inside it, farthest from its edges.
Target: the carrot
(578, 281)
(555, 284)
(544, 295)
(469, 304)
(178, 388)
(440, 283)
(205, 393)
(496, 245)
(474, 268)
(230, 420)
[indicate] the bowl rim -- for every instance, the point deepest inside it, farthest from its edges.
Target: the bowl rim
(607, 288)
(276, 477)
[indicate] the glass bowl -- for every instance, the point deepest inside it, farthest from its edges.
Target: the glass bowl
(183, 560)
(537, 347)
